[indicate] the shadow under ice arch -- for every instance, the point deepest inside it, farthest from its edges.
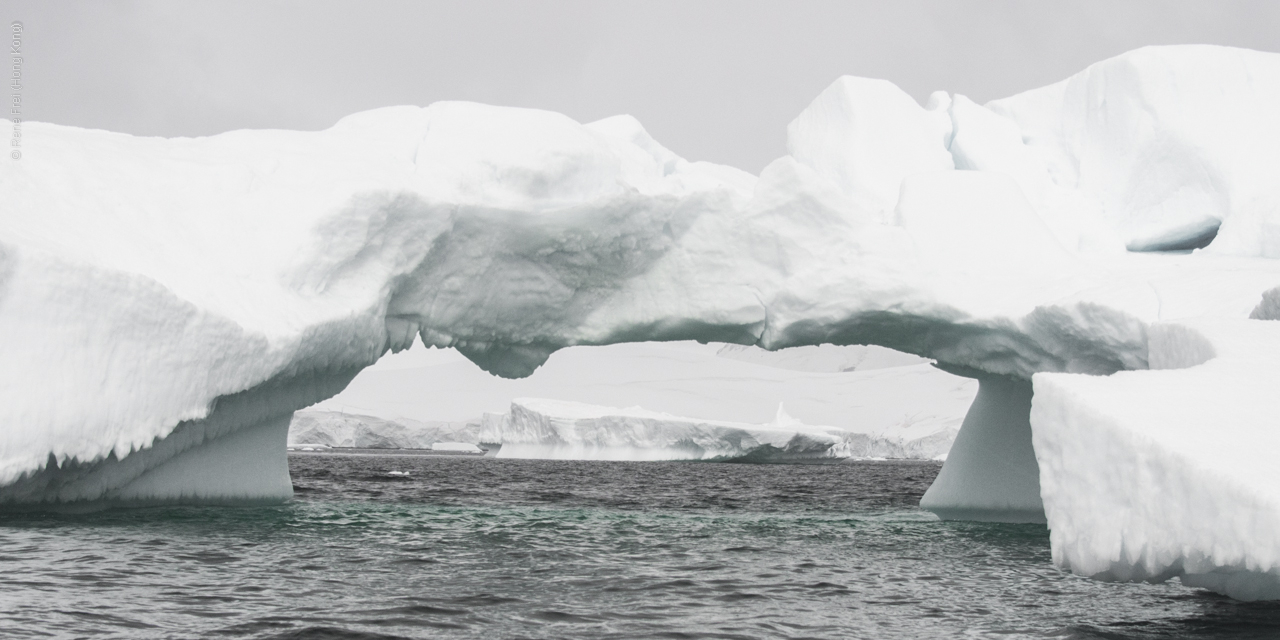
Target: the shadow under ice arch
(165, 305)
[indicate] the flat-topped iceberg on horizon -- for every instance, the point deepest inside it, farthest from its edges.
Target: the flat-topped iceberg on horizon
(565, 430)
(167, 304)
(353, 430)
(897, 404)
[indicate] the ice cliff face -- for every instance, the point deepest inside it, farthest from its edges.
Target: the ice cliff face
(1171, 471)
(167, 304)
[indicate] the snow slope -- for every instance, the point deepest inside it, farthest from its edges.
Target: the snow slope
(172, 302)
(1166, 144)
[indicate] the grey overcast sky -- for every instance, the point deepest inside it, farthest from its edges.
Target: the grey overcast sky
(713, 80)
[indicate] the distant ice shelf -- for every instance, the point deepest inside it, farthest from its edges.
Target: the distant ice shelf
(888, 403)
(341, 429)
(557, 429)
(167, 304)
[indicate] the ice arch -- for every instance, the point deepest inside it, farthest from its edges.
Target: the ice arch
(166, 304)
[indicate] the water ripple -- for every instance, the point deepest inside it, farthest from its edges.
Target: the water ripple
(482, 548)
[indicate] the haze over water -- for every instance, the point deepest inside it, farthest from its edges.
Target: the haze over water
(442, 547)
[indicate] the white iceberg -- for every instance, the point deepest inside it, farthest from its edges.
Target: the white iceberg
(1167, 144)
(558, 429)
(167, 304)
(852, 388)
(341, 429)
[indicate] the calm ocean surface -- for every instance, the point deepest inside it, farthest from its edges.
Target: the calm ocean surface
(440, 547)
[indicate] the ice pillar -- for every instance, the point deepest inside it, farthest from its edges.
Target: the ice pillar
(235, 455)
(991, 473)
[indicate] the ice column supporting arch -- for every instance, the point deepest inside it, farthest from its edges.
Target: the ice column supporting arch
(991, 474)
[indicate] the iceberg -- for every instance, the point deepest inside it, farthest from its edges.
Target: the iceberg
(341, 429)
(1092, 252)
(854, 388)
(558, 429)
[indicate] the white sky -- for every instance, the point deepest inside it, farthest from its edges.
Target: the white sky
(711, 80)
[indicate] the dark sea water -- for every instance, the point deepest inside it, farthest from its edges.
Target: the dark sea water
(485, 548)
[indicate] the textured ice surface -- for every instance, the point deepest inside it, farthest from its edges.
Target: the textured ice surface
(1172, 471)
(159, 296)
(1166, 143)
